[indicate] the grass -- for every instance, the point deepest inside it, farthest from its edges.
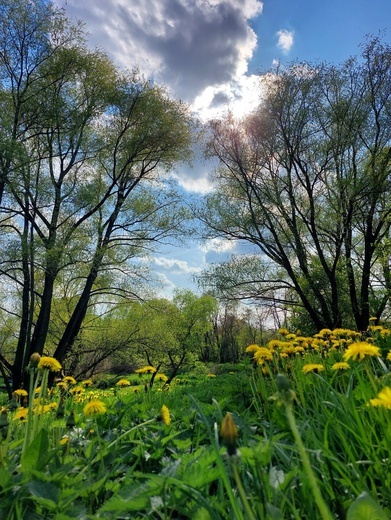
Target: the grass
(310, 444)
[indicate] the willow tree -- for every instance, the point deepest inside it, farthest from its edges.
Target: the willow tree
(83, 151)
(305, 182)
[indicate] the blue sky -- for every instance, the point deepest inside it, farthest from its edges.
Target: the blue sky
(210, 54)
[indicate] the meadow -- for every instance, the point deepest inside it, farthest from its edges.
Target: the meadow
(301, 429)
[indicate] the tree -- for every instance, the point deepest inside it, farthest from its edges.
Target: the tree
(305, 182)
(83, 150)
(173, 332)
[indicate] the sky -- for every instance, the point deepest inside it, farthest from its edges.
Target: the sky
(212, 54)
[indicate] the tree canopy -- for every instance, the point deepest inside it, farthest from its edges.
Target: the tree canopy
(305, 182)
(83, 196)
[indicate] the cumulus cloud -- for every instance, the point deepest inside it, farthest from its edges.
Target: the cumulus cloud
(285, 40)
(185, 45)
(175, 265)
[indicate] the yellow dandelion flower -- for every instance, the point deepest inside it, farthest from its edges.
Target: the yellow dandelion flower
(62, 384)
(360, 349)
(70, 380)
(290, 336)
(212, 375)
(49, 363)
(20, 392)
(383, 398)
(263, 353)
(94, 407)
(283, 332)
(389, 356)
(122, 383)
(21, 414)
(165, 415)
(252, 348)
(161, 377)
(87, 382)
(146, 370)
(64, 440)
(313, 367)
(340, 366)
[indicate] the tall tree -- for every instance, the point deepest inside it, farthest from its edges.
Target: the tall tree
(83, 149)
(305, 181)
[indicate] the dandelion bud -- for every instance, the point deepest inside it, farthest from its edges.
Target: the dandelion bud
(229, 433)
(34, 359)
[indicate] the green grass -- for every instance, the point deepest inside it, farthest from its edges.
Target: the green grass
(321, 451)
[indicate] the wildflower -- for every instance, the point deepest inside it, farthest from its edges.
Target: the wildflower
(64, 440)
(20, 392)
(146, 370)
(360, 349)
(21, 414)
(87, 382)
(383, 398)
(62, 384)
(34, 359)
(340, 366)
(229, 433)
(165, 415)
(161, 377)
(212, 375)
(389, 356)
(313, 367)
(283, 332)
(263, 353)
(70, 380)
(94, 407)
(50, 363)
(122, 383)
(325, 332)
(252, 348)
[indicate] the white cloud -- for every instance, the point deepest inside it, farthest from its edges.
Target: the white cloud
(285, 40)
(218, 245)
(175, 265)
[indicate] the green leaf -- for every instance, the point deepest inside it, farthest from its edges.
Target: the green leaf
(366, 508)
(37, 454)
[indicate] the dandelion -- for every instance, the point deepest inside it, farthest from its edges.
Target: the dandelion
(94, 407)
(383, 398)
(122, 382)
(313, 367)
(161, 377)
(34, 359)
(283, 332)
(165, 415)
(62, 384)
(341, 365)
(229, 433)
(87, 382)
(389, 356)
(146, 370)
(360, 349)
(20, 392)
(70, 380)
(263, 353)
(252, 348)
(211, 375)
(50, 363)
(21, 414)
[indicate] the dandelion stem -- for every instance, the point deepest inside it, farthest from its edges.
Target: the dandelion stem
(242, 493)
(323, 509)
